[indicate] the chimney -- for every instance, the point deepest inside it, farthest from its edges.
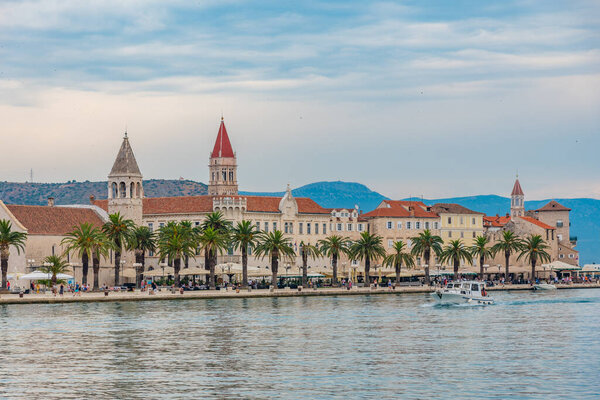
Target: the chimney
(92, 199)
(50, 201)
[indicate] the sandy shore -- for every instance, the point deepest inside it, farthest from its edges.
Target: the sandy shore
(219, 294)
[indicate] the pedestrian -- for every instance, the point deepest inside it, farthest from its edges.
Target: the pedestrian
(62, 290)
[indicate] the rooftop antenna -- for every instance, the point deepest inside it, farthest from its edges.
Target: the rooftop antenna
(125, 131)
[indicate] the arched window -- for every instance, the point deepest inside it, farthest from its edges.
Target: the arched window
(224, 174)
(122, 190)
(115, 192)
(231, 176)
(131, 189)
(138, 191)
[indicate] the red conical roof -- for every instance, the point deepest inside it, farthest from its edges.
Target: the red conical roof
(517, 191)
(222, 145)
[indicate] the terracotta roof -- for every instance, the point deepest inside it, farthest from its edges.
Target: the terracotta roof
(452, 208)
(553, 206)
(56, 220)
(495, 221)
(536, 222)
(222, 144)
(125, 163)
(401, 208)
(517, 191)
(204, 204)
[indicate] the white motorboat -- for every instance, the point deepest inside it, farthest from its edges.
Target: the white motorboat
(544, 286)
(467, 292)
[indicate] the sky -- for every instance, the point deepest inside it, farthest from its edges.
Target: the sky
(431, 98)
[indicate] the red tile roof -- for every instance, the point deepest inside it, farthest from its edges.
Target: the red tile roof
(495, 221)
(222, 144)
(517, 191)
(452, 208)
(45, 220)
(553, 206)
(536, 222)
(401, 208)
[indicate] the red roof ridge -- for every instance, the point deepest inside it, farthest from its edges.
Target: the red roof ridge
(517, 191)
(536, 222)
(222, 146)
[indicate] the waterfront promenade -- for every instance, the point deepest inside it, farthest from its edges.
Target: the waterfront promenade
(167, 294)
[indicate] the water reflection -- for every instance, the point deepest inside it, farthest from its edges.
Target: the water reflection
(331, 347)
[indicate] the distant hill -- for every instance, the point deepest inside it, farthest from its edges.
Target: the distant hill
(585, 217)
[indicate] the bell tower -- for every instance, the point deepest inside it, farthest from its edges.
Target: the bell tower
(125, 191)
(222, 166)
(517, 201)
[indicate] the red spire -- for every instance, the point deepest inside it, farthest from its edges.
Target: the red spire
(222, 145)
(517, 191)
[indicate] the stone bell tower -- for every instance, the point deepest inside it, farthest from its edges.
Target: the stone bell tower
(517, 201)
(125, 191)
(222, 166)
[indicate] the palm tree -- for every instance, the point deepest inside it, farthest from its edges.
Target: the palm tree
(423, 245)
(8, 238)
(215, 220)
(455, 252)
(212, 241)
(188, 225)
(367, 248)
(81, 240)
(142, 241)
(118, 230)
(101, 247)
(175, 240)
(481, 250)
(275, 245)
(307, 250)
(398, 257)
(334, 246)
(509, 243)
(533, 248)
(243, 236)
(55, 265)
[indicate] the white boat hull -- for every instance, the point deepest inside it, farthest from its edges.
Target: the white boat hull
(456, 298)
(544, 286)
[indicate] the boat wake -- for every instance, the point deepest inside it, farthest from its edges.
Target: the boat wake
(550, 301)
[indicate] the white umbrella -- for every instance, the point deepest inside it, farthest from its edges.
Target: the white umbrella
(39, 275)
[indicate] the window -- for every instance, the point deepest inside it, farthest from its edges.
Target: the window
(462, 234)
(559, 237)
(417, 225)
(249, 251)
(316, 228)
(198, 223)
(266, 227)
(349, 227)
(462, 221)
(122, 190)
(449, 220)
(408, 225)
(274, 226)
(559, 224)
(390, 243)
(324, 229)
(131, 189)
(473, 221)
(151, 227)
(436, 225)
(231, 176)
(161, 224)
(474, 235)
(561, 256)
(399, 225)
(427, 225)
(300, 228)
(115, 191)
(258, 226)
(570, 255)
(292, 228)
(449, 233)
(360, 227)
(224, 175)
(308, 228)
(389, 225)
(285, 228)
(419, 261)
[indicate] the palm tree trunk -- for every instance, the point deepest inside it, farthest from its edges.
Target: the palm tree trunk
(54, 278)
(367, 270)
(207, 263)
(274, 267)
(533, 262)
(84, 267)
(507, 260)
(334, 267)
(176, 268)
(244, 266)
(4, 268)
(304, 269)
(96, 269)
(117, 266)
(427, 256)
(211, 271)
(456, 264)
(481, 261)
(138, 269)
(397, 266)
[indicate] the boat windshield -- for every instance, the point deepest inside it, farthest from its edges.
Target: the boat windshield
(475, 287)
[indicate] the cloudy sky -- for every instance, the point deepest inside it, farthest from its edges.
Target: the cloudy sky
(431, 98)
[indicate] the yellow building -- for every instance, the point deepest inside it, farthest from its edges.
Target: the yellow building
(458, 222)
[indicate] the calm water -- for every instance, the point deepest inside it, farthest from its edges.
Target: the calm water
(532, 345)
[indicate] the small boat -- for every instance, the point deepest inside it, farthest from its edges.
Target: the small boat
(544, 286)
(467, 292)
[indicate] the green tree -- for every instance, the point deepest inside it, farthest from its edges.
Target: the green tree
(8, 238)
(243, 237)
(275, 245)
(455, 252)
(533, 249)
(118, 230)
(142, 241)
(334, 246)
(101, 248)
(212, 242)
(368, 247)
(175, 241)
(217, 222)
(307, 251)
(509, 243)
(81, 240)
(480, 249)
(55, 265)
(398, 257)
(423, 245)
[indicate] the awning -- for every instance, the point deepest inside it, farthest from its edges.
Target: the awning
(39, 275)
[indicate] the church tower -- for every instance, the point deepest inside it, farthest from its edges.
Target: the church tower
(517, 201)
(125, 191)
(222, 166)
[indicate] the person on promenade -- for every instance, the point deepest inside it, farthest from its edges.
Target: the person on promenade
(62, 290)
